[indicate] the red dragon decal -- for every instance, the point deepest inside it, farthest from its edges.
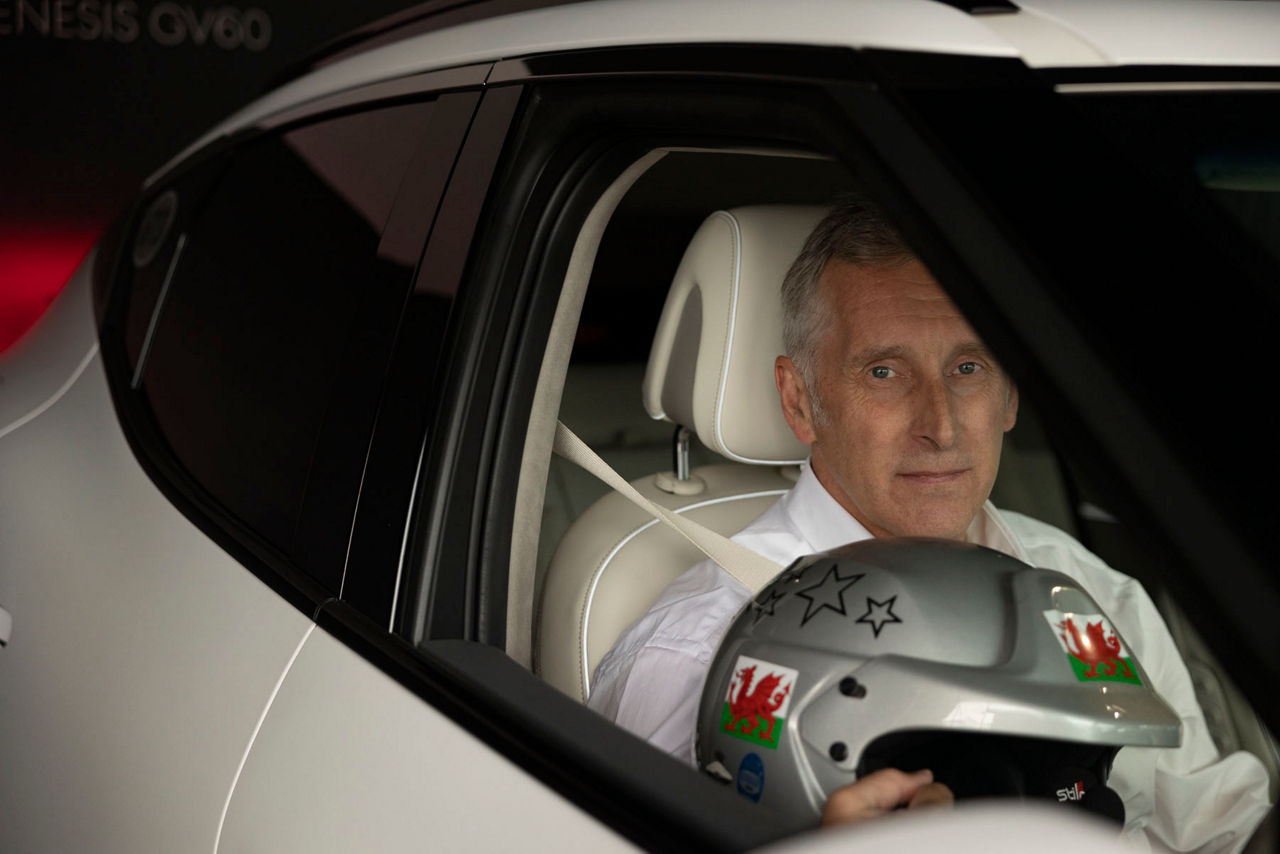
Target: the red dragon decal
(1093, 648)
(752, 710)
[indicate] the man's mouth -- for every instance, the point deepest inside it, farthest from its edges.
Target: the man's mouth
(929, 477)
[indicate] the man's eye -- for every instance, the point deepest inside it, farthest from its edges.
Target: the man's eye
(881, 372)
(968, 368)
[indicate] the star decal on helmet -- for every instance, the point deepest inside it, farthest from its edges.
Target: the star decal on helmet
(765, 608)
(879, 613)
(828, 593)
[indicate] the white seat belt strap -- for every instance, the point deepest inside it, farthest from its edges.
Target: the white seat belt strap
(752, 570)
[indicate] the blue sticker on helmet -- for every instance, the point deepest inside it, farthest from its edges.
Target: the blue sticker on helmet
(751, 776)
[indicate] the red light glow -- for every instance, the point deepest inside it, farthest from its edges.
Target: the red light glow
(35, 262)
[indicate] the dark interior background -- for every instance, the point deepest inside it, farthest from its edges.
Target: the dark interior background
(97, 94)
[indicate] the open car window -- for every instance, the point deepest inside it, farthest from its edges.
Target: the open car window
(593, 203)
(600, 395)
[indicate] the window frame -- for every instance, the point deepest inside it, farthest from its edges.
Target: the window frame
(556, 168)
(263, 559)
(945, 215)
(425, 428)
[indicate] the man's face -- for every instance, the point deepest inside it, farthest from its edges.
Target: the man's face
(914, 407)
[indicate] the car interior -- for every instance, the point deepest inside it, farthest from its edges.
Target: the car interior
(640, 347)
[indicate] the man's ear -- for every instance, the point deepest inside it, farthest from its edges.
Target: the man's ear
(1011, 407)
(794, 395)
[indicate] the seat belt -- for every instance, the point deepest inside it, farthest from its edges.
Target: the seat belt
(752, 570)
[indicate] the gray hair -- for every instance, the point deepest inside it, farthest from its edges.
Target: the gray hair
(856, 231)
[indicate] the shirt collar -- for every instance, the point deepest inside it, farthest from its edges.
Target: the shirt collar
(989, 529)
(819, 518)
(824, 524)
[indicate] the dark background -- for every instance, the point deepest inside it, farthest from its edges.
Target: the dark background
(97, 94)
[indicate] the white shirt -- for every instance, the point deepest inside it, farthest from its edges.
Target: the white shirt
(1187, 798)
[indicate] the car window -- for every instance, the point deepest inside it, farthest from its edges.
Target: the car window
(639, 252)
(639, 249)
(1227, 143)
(263, 364)
(533, 226)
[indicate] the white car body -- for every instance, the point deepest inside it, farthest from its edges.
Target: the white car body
(155, 695)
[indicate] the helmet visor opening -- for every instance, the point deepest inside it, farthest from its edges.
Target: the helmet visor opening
(980, 765)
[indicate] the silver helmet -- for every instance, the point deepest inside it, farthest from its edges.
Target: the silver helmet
(910, 653)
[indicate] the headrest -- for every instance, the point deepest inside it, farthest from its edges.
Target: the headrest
(711, 367)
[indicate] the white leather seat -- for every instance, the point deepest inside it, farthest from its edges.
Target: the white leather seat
(711, 370)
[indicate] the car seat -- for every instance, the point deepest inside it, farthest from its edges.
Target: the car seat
(711, 371)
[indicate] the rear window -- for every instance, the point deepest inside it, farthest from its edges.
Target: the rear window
(263, 362)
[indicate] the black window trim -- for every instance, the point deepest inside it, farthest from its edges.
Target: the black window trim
(1191, 74)
(385, 92)
(403, 470)
(367, 96)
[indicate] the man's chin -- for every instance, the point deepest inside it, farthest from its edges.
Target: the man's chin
(942, 522)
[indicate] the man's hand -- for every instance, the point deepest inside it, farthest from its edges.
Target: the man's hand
(882, 791)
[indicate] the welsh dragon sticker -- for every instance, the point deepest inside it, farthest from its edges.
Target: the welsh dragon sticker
(1093, 648)
(755, 709)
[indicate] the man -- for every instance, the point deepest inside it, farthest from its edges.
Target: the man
(905, 410)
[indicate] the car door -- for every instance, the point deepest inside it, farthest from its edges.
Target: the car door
(179, 509)
(141, 653)
(348, 756)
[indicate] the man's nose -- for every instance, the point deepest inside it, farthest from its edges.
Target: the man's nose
(935, 421)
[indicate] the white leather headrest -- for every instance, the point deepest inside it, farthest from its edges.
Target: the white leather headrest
(711, 367)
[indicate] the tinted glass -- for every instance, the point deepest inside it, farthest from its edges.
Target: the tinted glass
(272, 340)
(1226, 143)
(158, 244)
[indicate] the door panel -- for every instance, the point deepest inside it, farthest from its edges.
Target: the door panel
(141, 655)
(349, 760)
